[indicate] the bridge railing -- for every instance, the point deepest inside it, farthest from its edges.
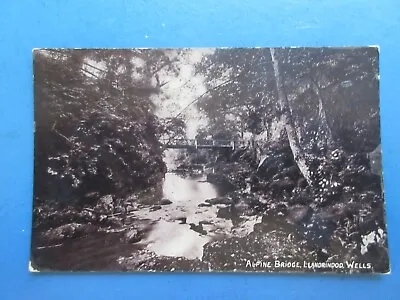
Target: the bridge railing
(177, 142)
(202, 143)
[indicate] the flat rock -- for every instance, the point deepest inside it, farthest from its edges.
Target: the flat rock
(155, 207)
(133, 236)
(219, 200)
(205, 222)
(165, 202)
(198, 228)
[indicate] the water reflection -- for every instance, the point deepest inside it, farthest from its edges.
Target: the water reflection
(172, 237)
(180, 189)
(169, 236)
(183, 227)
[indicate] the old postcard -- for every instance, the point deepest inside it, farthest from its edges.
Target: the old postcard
(208, 160)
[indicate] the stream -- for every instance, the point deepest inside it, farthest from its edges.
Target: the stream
(172, 237)
(179, 229)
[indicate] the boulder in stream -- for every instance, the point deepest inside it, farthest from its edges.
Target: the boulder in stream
(155, 207)
(133, 236)
(225, 213)
(182, 220)
(219, 200)
(198, 228)
(165, 202)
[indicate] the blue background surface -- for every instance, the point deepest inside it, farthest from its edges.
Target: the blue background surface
(28, 24)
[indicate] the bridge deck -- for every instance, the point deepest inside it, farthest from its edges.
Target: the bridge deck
(199, 144)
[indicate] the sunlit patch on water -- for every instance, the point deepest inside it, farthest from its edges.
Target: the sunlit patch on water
(174, 239)
(179, 189)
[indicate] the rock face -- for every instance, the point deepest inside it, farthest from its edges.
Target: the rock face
(148, 261)
(279, 187)
(275, 162)
(298, 213)
(247, 207)
(239, 253)
(105, 205)
(66, 231)
(133, 236)
(221, 181)
(225, 213)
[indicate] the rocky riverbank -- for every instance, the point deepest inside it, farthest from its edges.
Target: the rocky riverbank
(347, 225)
(288, 226)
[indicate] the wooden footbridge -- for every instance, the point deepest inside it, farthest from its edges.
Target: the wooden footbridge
(200, 144)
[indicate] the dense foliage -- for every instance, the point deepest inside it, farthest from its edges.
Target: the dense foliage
(314, 114)
(95, 128)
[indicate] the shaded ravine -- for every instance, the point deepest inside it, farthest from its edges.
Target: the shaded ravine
(175, 231)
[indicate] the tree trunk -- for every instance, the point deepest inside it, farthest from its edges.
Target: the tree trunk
(299, 157)
(324, 128)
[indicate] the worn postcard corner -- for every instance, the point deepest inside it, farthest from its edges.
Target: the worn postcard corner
(31, 268)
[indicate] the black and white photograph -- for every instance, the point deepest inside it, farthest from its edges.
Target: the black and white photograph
(208, 160)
